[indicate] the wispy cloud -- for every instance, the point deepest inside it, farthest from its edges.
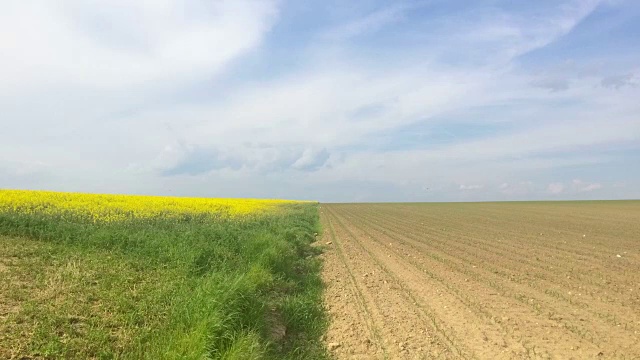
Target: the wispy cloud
(619, 81)
(553, 84)
(371, 22)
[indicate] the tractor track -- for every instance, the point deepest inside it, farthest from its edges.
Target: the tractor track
(418, 282)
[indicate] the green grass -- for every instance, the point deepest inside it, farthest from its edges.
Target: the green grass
(189, 289)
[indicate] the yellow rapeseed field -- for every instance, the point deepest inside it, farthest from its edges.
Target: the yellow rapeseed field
(110, 208)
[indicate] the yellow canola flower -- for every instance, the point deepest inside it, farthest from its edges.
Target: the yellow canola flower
(112, 208)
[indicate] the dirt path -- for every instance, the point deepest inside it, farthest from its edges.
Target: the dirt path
(483, 281)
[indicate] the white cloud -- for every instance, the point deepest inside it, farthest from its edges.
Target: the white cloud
(311, 159)
(113, 44)
(521, 188)
(619, 184)
(576, 186)
(581, 186)
(556, 188)
(471, 187)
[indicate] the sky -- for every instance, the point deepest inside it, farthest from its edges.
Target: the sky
(322, 100)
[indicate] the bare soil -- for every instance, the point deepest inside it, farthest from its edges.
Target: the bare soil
(483, 281)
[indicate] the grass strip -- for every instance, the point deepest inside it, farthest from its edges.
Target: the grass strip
(190, 288)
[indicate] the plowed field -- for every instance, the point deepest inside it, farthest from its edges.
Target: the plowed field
(557, 280)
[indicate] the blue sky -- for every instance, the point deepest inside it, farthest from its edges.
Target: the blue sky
(323, 100)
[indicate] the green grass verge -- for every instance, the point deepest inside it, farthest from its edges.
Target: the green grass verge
(188, 289)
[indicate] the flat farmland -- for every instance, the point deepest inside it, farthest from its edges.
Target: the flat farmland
(539, 280)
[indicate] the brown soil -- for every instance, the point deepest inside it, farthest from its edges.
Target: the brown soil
(483, 281)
